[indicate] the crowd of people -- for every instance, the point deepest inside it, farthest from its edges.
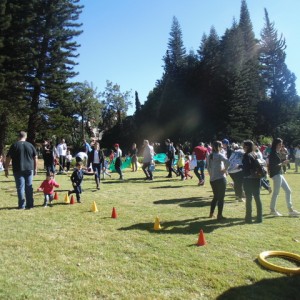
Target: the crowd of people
(221, 159)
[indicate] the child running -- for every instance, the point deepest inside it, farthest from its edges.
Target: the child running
(76, 178)
(47, 187)
(187, 168)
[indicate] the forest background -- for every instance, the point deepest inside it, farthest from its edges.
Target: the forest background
(236, 86)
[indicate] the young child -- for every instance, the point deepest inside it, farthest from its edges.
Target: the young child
(68, 160)
(76, 178)
(47, 187)
(105, 169)
(1, 163)
(187, 168)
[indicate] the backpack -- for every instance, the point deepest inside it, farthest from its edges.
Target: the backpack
(259, 170)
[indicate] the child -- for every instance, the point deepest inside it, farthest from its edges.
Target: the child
(76, 178)
(47, 187)
(68, 160)
(105, 169)
(187, 168)
(1, 163)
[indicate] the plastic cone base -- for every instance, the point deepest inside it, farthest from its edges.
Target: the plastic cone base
(201, 239)
(114, 214)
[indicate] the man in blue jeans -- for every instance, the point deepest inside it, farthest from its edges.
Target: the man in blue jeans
(24, 163)
(200, 153)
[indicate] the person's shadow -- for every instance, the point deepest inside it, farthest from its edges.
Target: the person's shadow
(276, 289)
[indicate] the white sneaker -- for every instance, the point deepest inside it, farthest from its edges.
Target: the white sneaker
(275, 213)
(294, 213)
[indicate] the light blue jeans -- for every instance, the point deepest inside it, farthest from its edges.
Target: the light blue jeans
(278, 182)
(23, 181)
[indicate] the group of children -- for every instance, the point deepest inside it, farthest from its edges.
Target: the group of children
(49, 184)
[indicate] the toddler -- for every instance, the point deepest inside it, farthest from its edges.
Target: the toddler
(47, 187)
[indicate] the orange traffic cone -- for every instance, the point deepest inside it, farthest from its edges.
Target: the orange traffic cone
(157, 224)
(55, 196)
(94, 207)
(72, 200)
(67, 199)
(114, 214)
(201, 239)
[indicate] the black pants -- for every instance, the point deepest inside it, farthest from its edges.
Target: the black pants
(252, 189)
(238, 179)
(146, 169)
(218, 186)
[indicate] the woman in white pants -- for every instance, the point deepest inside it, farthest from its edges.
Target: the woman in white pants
(275, 169)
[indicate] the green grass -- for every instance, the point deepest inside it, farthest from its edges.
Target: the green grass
(69, 252)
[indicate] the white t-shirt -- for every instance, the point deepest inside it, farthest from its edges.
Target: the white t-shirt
(61, 149)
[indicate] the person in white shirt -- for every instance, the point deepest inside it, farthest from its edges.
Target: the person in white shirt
(118, 161)
(61, 153)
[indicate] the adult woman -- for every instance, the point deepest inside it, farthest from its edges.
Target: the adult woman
(217, 165)
(236, 172)
(96, 158)
(133, 156)
(275, 169)
(251, 182)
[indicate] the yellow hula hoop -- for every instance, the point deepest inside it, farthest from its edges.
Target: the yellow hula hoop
(262, 260)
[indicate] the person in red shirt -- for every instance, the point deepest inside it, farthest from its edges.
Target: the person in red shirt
(200, 152)
(47, 187)
(187, 168)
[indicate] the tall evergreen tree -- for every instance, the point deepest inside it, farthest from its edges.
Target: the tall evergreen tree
(137, 103)
(282, 100)
(52, 31)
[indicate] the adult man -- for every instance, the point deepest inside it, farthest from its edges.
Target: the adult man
(148, 160)
(170, 152)
(200, 153)
(62, 152)
(24, 163)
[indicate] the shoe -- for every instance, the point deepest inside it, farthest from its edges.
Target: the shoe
(221, 218)
(241, 200)
(294, 213)
(270, 190)
(69, 193)
(201, 182)
(78, 201)
(275, 213)
(211, 216)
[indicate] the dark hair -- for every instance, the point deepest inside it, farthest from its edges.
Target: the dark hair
(216, 145)
(250, 146)
(275, 143)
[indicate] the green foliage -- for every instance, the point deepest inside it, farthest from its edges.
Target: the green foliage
(115, 105)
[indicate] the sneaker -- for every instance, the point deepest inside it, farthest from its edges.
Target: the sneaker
(270, 190)
(241, 200)
(275, 213)
(294, 213)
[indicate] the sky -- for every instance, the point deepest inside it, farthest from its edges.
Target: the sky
(124, 41)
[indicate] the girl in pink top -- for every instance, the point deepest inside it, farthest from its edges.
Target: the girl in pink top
(47, 187)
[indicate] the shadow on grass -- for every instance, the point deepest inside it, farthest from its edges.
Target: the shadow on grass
(275, 289)
(188, 226)
(187, 202)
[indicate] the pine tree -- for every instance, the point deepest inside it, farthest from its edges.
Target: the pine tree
(137, 103)
(282, 100)
(52, 31)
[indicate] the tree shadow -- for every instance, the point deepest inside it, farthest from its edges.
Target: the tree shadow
(275, 289)
(188, 226)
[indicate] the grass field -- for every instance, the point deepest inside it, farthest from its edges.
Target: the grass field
(69, 252)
